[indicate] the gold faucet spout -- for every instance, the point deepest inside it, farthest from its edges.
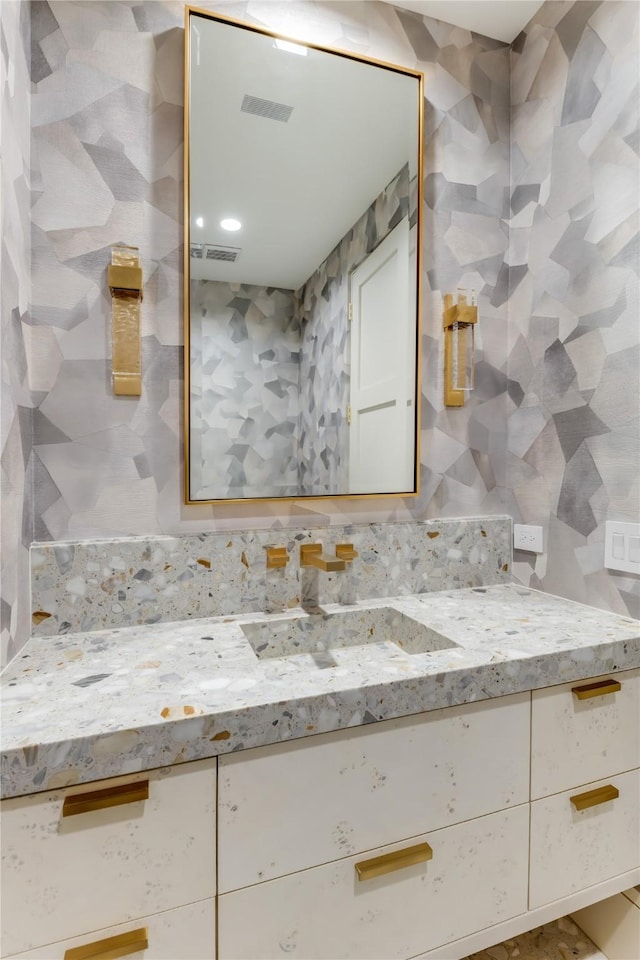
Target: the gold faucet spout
(311, 556)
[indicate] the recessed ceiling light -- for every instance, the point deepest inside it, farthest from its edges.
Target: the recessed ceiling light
(199, 221)
(230, 224)
(290, 47)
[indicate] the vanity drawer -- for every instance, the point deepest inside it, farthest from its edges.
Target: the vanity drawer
(577, 740)
(477, 876)
(321, 798)
(572, 849)
(187, 933)
(65, 870)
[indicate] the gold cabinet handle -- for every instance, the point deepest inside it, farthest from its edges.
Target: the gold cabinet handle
(122, 945)
(398, 860)
(109, 797)
(597, 689)
(593, 797)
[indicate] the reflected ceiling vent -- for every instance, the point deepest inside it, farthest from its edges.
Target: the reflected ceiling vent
(266, 108)
(216, 252)
(196, 251)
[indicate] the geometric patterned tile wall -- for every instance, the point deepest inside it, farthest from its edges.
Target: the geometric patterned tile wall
(574, 345)
(15, 403)
(107, 167)
(244, 390)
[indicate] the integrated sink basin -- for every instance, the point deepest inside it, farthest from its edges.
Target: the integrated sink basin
(320, 633)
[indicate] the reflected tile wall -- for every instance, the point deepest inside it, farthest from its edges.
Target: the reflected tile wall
(574, 364)
(326, 343)
(245, 391)
(16, 402)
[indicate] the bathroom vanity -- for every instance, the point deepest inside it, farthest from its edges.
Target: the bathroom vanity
(240, 788)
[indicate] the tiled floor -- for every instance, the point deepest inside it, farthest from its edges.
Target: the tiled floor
(560, 940)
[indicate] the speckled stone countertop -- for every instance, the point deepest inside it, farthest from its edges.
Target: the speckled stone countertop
(85, 706)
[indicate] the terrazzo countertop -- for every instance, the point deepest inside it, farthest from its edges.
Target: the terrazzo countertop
(81, 707)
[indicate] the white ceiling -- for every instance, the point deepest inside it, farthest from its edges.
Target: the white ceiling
(334, 137)
(500, 19)
(297, 187)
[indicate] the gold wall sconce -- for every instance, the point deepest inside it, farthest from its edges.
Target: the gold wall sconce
(459, 320)
(125, 283)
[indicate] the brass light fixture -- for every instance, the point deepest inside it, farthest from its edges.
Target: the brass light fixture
(125, 284)
(459, 320)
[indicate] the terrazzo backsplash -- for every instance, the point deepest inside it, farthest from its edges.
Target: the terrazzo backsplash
(85, 585)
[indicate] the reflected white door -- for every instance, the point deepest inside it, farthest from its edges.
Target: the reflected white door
(383, 333)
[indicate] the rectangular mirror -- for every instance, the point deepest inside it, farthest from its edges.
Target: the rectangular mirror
(303, 176)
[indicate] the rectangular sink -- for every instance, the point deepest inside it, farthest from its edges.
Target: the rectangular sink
(319, 633)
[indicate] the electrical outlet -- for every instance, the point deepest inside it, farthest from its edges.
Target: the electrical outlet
(527, 538)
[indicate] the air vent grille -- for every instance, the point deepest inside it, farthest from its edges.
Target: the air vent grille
(213, 251)
(228, 254)
(266, 108)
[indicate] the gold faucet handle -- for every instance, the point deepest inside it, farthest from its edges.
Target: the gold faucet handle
(345, 551)
(277, 557)
(311, 556)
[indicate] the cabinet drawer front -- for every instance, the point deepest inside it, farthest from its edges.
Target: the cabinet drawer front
(579, 737)
(572, 849)
(325, 797)
(187, 933)
(477, 876)
(87, 870)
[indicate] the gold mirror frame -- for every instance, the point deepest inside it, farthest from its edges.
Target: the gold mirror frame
(232, 21)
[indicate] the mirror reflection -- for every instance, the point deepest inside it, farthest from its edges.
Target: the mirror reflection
(301, 307)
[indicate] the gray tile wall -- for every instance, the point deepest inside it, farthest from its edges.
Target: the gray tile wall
(107, 167)
(245, 391)
(107, 143)
(16, 402)
(574, 318)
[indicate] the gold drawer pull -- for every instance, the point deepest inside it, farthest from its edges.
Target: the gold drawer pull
(598, 689)
(123, 945)
(109, 797)
(398, 860)
(593, 797)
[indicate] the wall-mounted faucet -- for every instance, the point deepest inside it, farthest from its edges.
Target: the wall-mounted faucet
(345, 551)
(277, 557)
(311, 556)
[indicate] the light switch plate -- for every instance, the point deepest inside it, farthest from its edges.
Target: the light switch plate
(622, 546)
(526, 537)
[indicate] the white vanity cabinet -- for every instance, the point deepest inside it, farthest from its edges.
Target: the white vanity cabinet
(122, 854)
(585, 784)
(307, 819)
(430, 836)
(186, 932)
(528, 806)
